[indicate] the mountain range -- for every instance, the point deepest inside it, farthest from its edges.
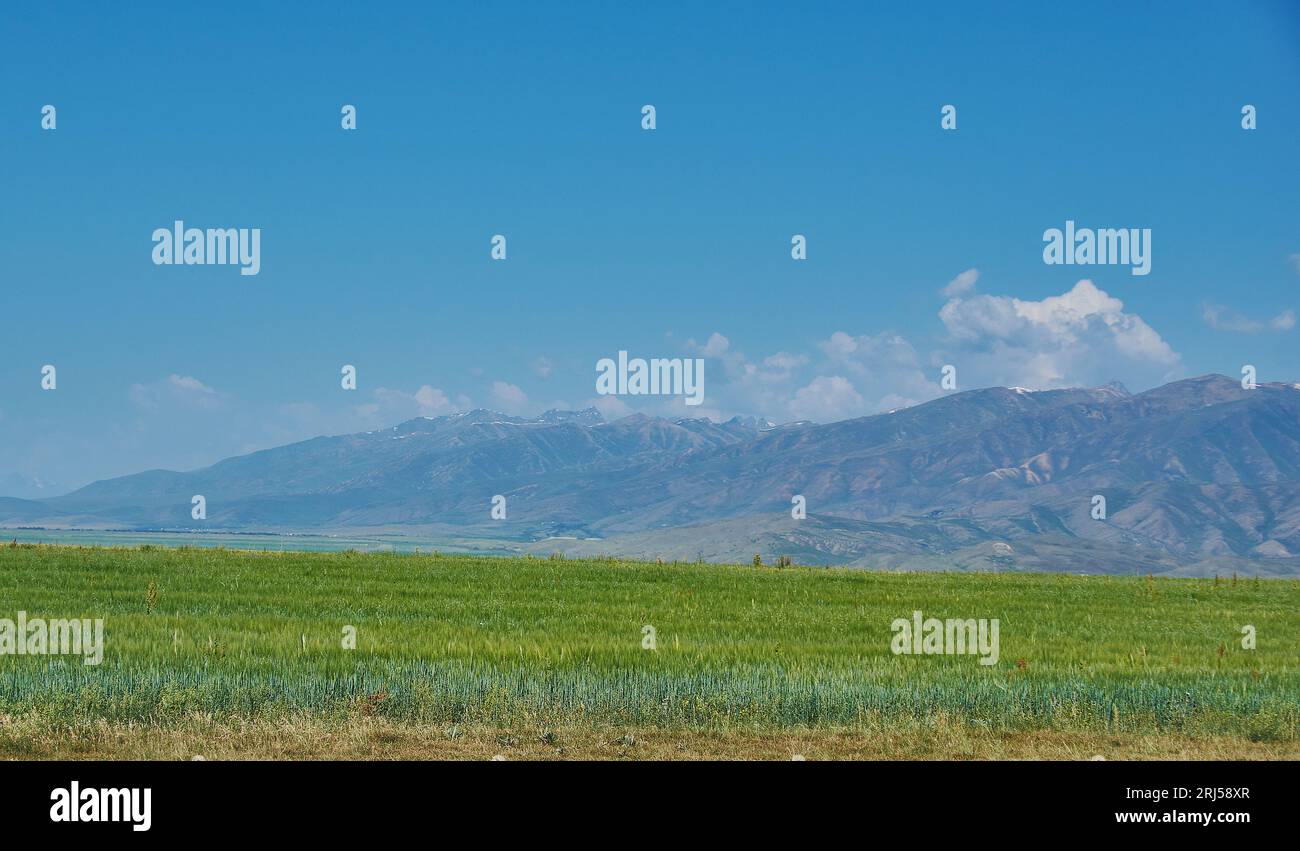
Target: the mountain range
(1197, 476)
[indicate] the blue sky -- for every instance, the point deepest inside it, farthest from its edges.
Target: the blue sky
(479, 119)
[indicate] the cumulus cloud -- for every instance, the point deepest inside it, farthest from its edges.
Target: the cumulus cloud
(178, 390)
(1082, 337)
(840, 377)
(827, 398)
(783, 362)
(1294, 260)
(716, 346)
(1222, 318)
(432, 401)
(885, 367)
(718, 349)
(543, 367)
(388, 406)
(509, 397)
(962, 284)
(610, 407)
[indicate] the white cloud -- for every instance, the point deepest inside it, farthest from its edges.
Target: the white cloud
(962, 284)
(840, 345)
(715, 347)
(885, 368)
(1294, 260)
(853, 376)
(827, 398)
(866, 354)
(543, 367)
(784, 361)
(432, 401)
(389, 406)
(719, 350)
(511, 399)
(190, 384)
(1222, 318)
(610, 407)
(1082, 337)
(179, 390)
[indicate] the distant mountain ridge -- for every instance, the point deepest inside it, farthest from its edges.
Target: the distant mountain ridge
(1196, 474)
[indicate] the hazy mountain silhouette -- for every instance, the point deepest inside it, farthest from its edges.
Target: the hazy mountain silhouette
(1196, 475)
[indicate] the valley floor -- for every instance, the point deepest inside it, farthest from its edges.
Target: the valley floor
(230, 654)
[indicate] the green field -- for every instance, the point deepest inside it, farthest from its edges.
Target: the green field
(221, 638)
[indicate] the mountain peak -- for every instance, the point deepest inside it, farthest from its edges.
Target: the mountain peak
(587, 416)
(758, 423)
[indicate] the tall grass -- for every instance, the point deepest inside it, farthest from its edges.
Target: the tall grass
(453, 639)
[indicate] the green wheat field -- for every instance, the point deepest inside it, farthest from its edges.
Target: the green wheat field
(241, 653)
